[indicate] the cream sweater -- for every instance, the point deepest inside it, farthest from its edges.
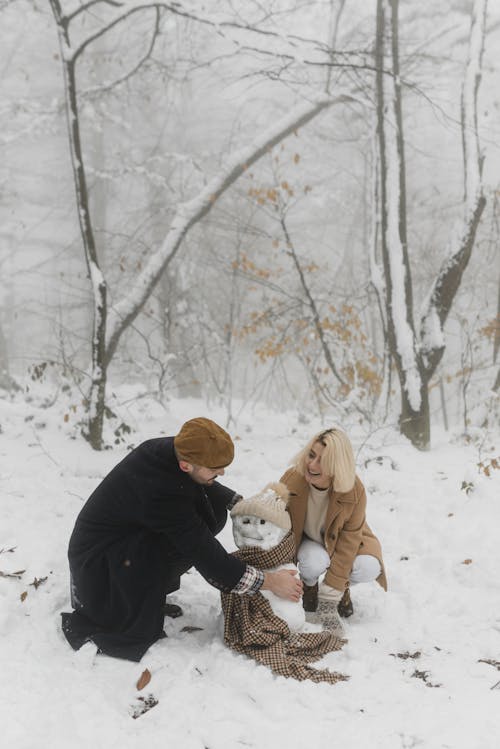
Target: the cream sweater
(317, 505)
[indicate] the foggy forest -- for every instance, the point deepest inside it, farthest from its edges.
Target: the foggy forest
(288, 203)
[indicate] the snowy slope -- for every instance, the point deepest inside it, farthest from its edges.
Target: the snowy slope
(413, 655)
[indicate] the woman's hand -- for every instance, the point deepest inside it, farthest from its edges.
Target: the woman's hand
(284, 584)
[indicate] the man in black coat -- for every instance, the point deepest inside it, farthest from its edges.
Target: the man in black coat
(153, 517)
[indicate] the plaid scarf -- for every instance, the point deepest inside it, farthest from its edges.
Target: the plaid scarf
(251, 627)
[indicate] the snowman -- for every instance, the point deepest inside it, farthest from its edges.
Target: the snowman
(269, 629)
(263, 522)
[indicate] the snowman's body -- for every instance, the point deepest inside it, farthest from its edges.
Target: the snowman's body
(249, 530)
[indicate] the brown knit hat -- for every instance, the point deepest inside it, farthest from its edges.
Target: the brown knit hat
(202, 442)
(269, 504)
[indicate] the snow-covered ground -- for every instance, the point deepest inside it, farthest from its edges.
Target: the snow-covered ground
(415, 655)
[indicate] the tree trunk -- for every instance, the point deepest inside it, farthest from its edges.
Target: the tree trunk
(450, 274)
(415, 425)
(414, 419)
(107, 332)
(97, 394)
(96, 397)
(416, 360)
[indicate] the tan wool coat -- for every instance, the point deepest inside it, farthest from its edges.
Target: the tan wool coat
(347, 533)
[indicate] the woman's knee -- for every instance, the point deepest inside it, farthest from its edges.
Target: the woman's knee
(313, 560)
(364, 569)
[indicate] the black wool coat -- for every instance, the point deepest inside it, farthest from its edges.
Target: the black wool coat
(145, 524)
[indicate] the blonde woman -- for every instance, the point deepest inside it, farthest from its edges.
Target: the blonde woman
(328, 511)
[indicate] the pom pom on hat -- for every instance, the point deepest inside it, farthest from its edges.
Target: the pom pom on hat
(269, 504)
(202, 442)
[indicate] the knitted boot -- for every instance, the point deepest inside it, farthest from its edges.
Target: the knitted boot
(328, 617)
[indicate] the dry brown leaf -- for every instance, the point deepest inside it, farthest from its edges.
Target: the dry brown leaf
(38, 581)
(144, 679)
(146, 704)
(16, 574)
(23, 596)
(467, 561)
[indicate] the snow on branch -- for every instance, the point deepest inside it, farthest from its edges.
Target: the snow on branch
(190, 212)
(393, 197)
(472, 156)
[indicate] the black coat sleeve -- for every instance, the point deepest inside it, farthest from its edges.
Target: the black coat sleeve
(177, 517)
(220, 494)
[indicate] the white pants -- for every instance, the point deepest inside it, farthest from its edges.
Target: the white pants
(313, 561)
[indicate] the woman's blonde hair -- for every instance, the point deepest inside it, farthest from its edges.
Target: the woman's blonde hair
(337, 459)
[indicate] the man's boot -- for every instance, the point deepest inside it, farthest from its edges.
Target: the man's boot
(345, 607)
(310, 597)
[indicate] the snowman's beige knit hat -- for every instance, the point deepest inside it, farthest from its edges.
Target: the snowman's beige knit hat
(269, 504)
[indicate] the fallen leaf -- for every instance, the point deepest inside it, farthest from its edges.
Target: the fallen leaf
(490, 662)
(424, 676)
(23, 596)
(144, 679)
(38, 581)
(407, 655)
(16, 574)
(146, 704)
(467, 561)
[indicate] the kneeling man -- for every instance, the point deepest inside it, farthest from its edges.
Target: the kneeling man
(155, 515)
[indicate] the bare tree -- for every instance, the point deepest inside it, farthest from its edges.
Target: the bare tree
(110, 324)
(417, 353)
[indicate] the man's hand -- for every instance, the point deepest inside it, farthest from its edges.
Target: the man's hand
(283, 583)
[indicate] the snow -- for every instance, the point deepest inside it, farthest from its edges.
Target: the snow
(441, 551)
(432, 333)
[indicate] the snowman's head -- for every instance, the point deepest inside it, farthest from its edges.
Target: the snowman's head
(262, 520)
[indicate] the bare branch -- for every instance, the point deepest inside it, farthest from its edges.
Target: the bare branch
(109, 86)
(190, 213)
(312, 304)
(222, 27)
(88, 5)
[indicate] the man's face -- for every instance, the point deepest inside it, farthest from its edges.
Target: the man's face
(200, 474)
